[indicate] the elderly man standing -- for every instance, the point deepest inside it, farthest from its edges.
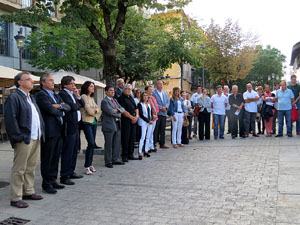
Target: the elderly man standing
(163, 102)
(285, 98)
(251, 97)
(25, 126)
(53, 109)
(128, 123)
(111, 127)
(119, 89)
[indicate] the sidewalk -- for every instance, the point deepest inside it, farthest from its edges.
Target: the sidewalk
(241, 181)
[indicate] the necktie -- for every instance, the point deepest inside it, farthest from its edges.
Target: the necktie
(113, 102)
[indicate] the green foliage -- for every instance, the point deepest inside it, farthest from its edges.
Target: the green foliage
(270, 60)
(133, 57)
(57, 47)
(233, 52)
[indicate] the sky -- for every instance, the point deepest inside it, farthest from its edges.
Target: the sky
(274, 22)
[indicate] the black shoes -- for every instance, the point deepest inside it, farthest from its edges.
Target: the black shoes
(221, 137)
(75, 176)
(147, 154)
(66, 181)
(124, 159)
(50, 190)
(58, 186)
(118, 163)
(279, 135)
(132, 158)
(109, 165)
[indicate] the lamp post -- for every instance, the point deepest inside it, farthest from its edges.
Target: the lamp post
(203, 79)
(272, 78)
(20, 39)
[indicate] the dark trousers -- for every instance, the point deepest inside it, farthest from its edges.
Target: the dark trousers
(190, 118)
(128, 133)
(250, 121)
(228, 116)
(204, 122)
(50, 152)
(261, 125)
(69, 155)
(90, 135)
(112, 146)
(237, 124)
(160, 130)
(274, 121)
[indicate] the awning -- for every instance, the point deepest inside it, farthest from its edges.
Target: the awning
(7, 75)
(78, 78)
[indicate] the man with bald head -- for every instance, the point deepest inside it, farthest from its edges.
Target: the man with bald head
(251, 97)
(162, 100)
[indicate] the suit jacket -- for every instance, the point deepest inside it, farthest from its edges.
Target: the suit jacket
(109, 117)
(160, 102)
(70, 125)
(118, 93)
(17, 117)
(51, 115)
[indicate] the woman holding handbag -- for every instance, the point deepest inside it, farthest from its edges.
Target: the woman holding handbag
(204, 115)
(90, 116)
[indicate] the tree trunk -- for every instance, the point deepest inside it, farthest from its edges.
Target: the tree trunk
(181, 75)
(110, 63)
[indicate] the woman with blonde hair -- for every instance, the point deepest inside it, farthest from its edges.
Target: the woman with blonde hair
(178, 113)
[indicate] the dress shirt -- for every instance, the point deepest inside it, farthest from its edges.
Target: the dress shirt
(195, 96)
(179, 108)
(219, 102)
(36, 132)
(72, 96)
(251, 106)
(160, 95)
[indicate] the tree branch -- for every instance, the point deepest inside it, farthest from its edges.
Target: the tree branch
(120, 21)
(106, 17)
(97, 35)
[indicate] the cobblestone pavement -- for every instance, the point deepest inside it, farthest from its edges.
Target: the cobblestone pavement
(241, 181)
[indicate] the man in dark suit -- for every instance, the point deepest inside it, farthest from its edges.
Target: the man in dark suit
(70, 95)
(111, 124)
(53, 109)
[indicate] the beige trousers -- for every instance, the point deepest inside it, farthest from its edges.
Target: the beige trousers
(26, 158)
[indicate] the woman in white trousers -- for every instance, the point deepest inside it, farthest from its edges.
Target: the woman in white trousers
(145, 122)
(178, 113)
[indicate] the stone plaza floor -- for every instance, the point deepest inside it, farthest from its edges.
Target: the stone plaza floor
(241, 181)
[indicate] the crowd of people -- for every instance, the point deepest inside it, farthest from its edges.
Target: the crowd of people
(47, 126)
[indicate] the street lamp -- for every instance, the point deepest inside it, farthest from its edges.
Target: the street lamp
(272, 78)
(20, 39)
(203, 80)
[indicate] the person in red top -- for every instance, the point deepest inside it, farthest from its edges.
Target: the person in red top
(155, 110)
(268, 109)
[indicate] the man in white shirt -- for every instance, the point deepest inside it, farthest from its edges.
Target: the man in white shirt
(195, 96)
(25, 127)
(219, 103)
(251, 97)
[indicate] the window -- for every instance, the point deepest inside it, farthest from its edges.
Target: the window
(3, 38)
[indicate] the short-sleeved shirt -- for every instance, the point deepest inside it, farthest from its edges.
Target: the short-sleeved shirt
(219, 104)
(284, 99)
(251, 106)
(295, 89)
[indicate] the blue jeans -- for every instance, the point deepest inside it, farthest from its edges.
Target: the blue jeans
(219, 119)
(288, 120)
(90, 135)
